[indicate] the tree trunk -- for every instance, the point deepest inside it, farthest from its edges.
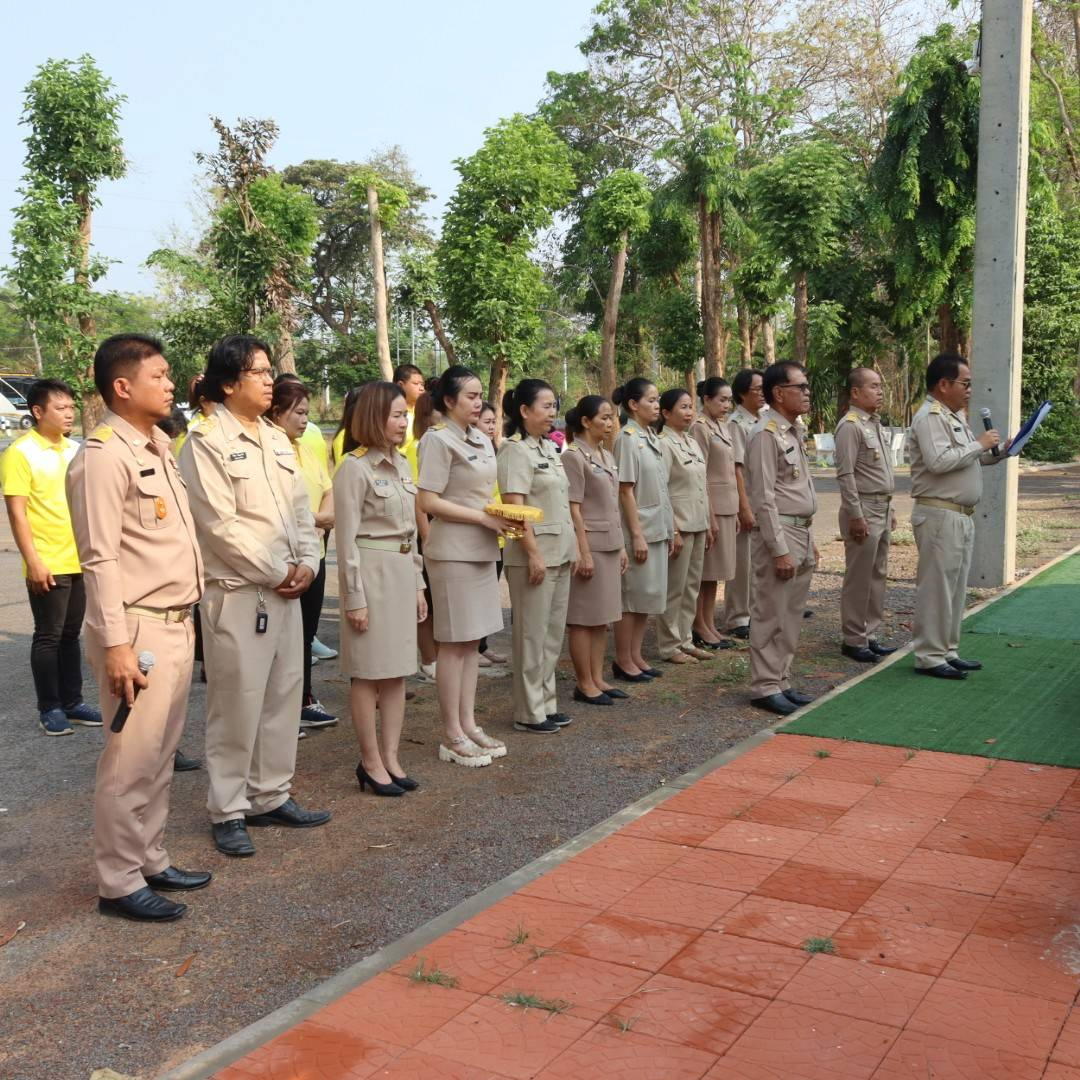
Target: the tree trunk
(286, 357)
(92, 405)
(949, 340)
(611, 318)
(768, 341)
(690, 381)
(746, 343)
(440, 332)
(497, 387)
(378, 274)
(801, 306)
(712, 302)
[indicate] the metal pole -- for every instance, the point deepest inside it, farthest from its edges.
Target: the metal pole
(412, 331)
(998, 303)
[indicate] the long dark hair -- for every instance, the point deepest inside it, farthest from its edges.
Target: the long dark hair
(449, 386)
(744, 379)
(588, 408)
(346, 421)
(668, 400)
(523, 396)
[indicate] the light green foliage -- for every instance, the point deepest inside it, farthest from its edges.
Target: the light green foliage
(393, 199)
(679, 340)
(618, 207)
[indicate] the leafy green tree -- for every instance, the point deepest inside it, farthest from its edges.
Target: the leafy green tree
(679, 338)
(509, 190)
(420, 288)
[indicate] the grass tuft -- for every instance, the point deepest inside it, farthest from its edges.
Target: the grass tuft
(520, 935)
(434, 976)
(530, 1001)
(822, 753)
(820, 945)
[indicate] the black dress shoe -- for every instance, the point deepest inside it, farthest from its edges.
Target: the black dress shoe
(807, 614)
(796, 697)
(597, 699)
(964, 665)
(617, 695)
(775, 703)
(545, 728)
(364, 780)
(942, 671)
(741, 632)
(653, 673)
(406, 783)
(560, 718)
(715, 646)
(172, 879)
(880, 650)
(231, 838)
(864, 654)
(292, 816)
(183, 763)
(143, 905)
(618, 673)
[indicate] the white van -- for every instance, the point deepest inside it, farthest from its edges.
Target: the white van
(13, 409)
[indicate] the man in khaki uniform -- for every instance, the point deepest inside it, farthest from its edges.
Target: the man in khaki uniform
(864, 474)
(946, 483)
(258, 538)
(142, 572)
(783, 551)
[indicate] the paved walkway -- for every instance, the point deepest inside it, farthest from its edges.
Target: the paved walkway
(814, 910)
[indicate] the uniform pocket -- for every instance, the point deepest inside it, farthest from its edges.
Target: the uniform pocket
(153, 509)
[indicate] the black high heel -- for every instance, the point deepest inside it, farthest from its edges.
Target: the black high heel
(715, 646)
(379, 789)
(618, 673)
(597, 699)
(406, 783)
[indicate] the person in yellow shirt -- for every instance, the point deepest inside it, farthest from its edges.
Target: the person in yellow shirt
(411, 380)
(33, 471)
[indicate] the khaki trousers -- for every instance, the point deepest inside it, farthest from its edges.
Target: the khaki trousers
(254, 687)
(776, 613)
(539, 620)
(945, 540)
(675, 627)
(131, 793)
(737, 590)
(862, 596)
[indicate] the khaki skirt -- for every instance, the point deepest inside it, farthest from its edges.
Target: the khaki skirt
(387, 648)
(644, 585)
(720, 558)
(465, 600)
(597, 601)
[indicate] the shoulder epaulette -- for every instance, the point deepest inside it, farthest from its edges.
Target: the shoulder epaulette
(437, 427)
(359, 452)
(572, 447)
(516, 437)
(853, 417)
(204, 426)
(935, 408)
(771, 426)
(102, 433)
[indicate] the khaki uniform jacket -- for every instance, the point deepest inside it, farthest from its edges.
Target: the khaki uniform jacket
(533, 467)
(741, 424)
(946, 461)
(249, 501)
(593, 480)
(686, 481)
(717, 442)
(374, 499)
(779, 479)
(641, 463)
(459, 466)
(862, 460)
(133, 527)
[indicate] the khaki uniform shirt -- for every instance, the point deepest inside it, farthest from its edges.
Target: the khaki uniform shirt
(133, 527)
(862, 460)
(717, 442)
(374, 499)
(641, 463)
(249, 501)
(533, 467)
(741, 424)
(686, 481)
(459, 466)
(593, 480)
(779, 478)
(946, 461)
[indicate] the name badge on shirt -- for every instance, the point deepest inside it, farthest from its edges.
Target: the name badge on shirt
(542, 464)
(282, 453)
(240, 455)
(382, 483)
(147, 472)
(472, 457)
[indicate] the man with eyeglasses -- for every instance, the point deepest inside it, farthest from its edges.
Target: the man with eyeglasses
(261, 551)
(783, 552)
(946, 483)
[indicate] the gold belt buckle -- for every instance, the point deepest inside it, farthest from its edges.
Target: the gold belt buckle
(405, 547)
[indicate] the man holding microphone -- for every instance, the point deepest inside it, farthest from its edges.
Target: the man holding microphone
(142, 571)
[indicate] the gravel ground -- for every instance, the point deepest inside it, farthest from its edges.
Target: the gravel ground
(78, 992)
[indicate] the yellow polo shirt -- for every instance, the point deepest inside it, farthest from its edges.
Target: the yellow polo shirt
(315, 441)
(316, 480)
(408, 448)
(36, 468)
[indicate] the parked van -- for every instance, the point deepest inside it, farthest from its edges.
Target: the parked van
(13, 409)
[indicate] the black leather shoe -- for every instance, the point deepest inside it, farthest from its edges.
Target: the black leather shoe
(880, 650)
(807, 614)
(617, 695)
(775, 703)
(406, 783)
(231, 838)
(653, 673)
(183, 763)
(546, 728)
(172, 879)
(964, 665)
(560, 718)
(715, 646)
(942, 671)
(865, 655)
(364, 780)
(292, 816)
(596, 699)
(143, 905)
(796, 697)
(618, 673)
(741, 632)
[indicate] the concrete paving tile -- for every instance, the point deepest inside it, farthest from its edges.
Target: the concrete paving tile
(753, 838)
(780, 921)
(581, 883)
(632, 854)
(917, 1056)
(606, 1053)
(623, 939)
(530, 919)
(1019, 918)
(926, 905)
(793, 813)
(1019, 966)
(1067, 1048)
(821, 886)
(869, 858)
(673, 828)
(723, 869)
(477, 963)
(962, 872)
(754, 967)
(683, 903)
(895, 943)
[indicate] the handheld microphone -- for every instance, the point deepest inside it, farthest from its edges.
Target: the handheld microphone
(988, 424)
(146, 662)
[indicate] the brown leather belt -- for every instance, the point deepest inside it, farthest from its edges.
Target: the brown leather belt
(169, 615)
(944, 504)
(403, 547)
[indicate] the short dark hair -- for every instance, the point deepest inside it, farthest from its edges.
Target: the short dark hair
(632, 390)
(406, 371)
(710, 387)
(37, 397)
(668, 400)
(776, 375)
(229, 356)
(287, 392)
(196, 391)
(587, 408)
(372, 410)
(449, 386)
(118, 356)
(523, 396)
(744, 379)
(175, 424)
(857, 377)
(945, 366)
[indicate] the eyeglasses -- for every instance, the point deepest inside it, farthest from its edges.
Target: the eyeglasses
(802, 387)
(264, 373)
(965, 383)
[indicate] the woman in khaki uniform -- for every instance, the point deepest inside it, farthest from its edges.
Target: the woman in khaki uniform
(687, 490)
(378, 567)
(648, 530)
(539, 564)
(717, 442)
(595, 588)
(457, 475)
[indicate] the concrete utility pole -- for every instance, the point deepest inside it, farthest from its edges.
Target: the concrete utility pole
(998, 304)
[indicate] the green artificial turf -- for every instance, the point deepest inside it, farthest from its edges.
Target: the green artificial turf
(1048, 606)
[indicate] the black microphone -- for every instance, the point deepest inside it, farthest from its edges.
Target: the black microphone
(146, 662)
(988, 424)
